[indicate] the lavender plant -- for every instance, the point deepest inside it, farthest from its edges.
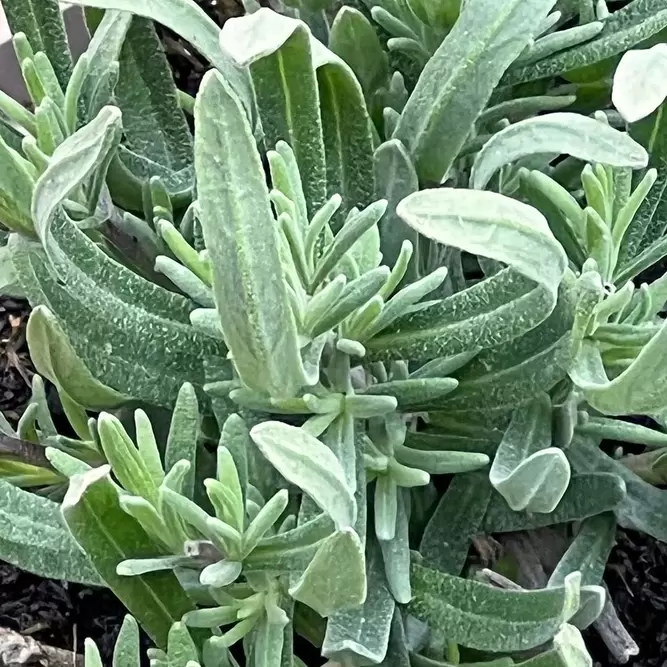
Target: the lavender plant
(339, 366)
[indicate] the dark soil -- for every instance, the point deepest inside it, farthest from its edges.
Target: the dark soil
(637, 578)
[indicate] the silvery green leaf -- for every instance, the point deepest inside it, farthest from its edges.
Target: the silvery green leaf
(126, 652)
(220, 574)
(353, 38)
(17, 182)
(34, 537)
(248, 284)
(109, 536)
(456, 520)
(361, 635)
(97, 299)
(557, 133)
(639, 389)
(354, 295)
(527, 471)
(183, 434)
(624, 28)
(397, 651)
(643, 507)
(639, 87)
(648, 224)
(102, 54)
(309, 464)
(479, 616)
(520, 296)
(347, 128)
(588, 552)
(154, 125)
(42, 23)
(568, 650)
(501, 378)
(395, 179)
(412, 394)
(396, 555)
(189, 21)
(588, 494)
(459, 79)
(277, 51)
(268, 641)
(55, 359)
(335, 579)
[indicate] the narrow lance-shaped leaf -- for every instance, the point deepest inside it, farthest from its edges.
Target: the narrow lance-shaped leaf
(491, 619)
(361, 635)
(55, 359)
(33, 536)
(527, 471)
(557, 133)
(624, 28)
(277, 50)
(109, 536)
(521, 296)
(335, 579)
(639, 389)
(347, 129)
(97, 299)
(395, 179)
(456, 520)
(309, 464)
(189, 21)
(458, 80)
(242, 240)
(42, 23)
(154, 124)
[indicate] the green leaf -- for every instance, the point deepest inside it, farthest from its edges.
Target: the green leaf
(588, 552)
(395, 179)
(17, 181)
(458, 80)
(353, 38)
(569, 650)
(503, 377)
(55, 358)
(639, 87)
(527, 471)
(486, 618)
(309, 464)
(335, 579)
(277, 51)
(457, 519)
(103, 53)
(643, 508)
(42, 23)
(183, 435)
(521, 296)
(117, 322)
(360, 636)
(348, 136)
(126, 652)
(250, 293)
(109, 536)
(557, 133)
(639, 389)
(154, 124)
(589, 493)
(34, 537)
(413, 394)
(187, 19)
(624, 28)
(396, 554)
